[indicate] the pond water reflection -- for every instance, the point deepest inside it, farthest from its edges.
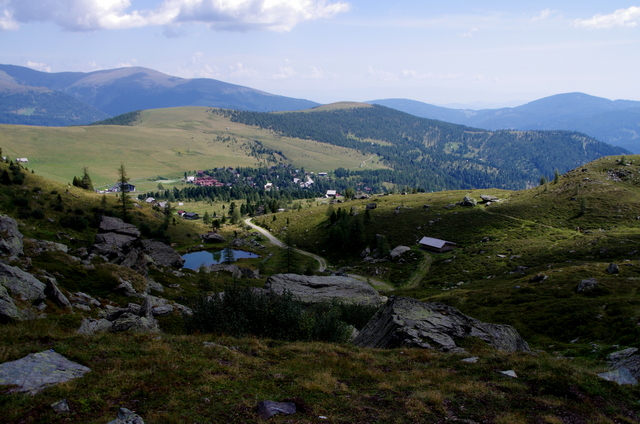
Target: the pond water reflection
(196, 259)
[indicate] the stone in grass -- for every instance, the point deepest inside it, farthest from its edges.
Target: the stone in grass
(620, 376)
(269, 408)
(126, 416)
(37, 371)
(586, 285)
(613, 268)
(61, 407)
(509, 373)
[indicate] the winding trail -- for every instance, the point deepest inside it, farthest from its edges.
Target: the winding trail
(322, 264)
(375, 283)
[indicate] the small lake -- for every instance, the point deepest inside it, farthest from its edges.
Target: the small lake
(196, 259)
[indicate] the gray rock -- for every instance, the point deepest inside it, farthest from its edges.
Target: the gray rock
(41, 246)
(110, 241)
(509, 373)
(125, 416)
(61, 407)
(110, 224)
(90, 326)
(212, 238)
(154, 285)
(586, 285)
(84, 299)
(160, 311)
(268, 408)
(22, 284)
(8, 310)
(628, 359)
(162, 254)
(126, 288)
(37, 371)
(468, 201)
(620, 376)
(398, 251)
(472, 360)
(613, 268)
(319, 289)
(135, 323)
(54, 294)
(11, 239)
(408, 322)
(489, 198)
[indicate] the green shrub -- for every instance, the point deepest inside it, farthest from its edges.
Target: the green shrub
(241, 311)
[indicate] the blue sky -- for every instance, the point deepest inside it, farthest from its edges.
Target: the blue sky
(488, 53)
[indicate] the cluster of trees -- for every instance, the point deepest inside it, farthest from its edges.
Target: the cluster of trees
(435, 155)
(84, 182)
(125, 119)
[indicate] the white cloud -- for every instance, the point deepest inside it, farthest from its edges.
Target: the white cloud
(39, 66)
(382, 75)
(285, 72)
(239, 71)
(545, 14)
(620, 18)
(470, 33)
(239, 15)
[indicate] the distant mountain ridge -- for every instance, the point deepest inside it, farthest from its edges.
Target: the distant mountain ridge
(613, 121)
(116, 91)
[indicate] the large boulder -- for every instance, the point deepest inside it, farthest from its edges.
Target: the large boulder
(22, 284)
(110, 224)
(8, 310)
(406, 322)
(625, 362)
(37, 371)
(314, 289)
(398, 251)
(11, 239)
(162, 254)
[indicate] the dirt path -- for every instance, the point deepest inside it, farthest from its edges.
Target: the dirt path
(322, 264)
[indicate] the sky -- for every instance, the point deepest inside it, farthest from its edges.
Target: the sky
(459, 52)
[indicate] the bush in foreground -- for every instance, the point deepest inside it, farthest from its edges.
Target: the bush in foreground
(241, 311)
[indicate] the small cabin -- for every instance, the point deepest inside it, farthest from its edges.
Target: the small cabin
(436, 245)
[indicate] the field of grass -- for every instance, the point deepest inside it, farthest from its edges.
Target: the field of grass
(164, 142)
(171, 378)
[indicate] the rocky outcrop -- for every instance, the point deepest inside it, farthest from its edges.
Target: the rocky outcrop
(212, 238)
(120, 243)
(625, 367)
(314, 289)
(11, 239)
(37, 371)
(135, 318)
(487, 198)
(8, 310)
(22, 284)
(468, 201)
(406, 322)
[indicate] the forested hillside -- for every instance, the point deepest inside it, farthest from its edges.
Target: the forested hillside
(435, 155)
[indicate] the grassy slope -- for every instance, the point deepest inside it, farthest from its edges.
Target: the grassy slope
(165, 142)
(175, 378)
(541, 230)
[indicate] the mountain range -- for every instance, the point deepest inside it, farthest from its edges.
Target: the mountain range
(113, 92)
(30, 97)
(615, 122)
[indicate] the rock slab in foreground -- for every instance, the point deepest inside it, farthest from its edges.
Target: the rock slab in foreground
(37, 371)
(406, 322)
(314, 289)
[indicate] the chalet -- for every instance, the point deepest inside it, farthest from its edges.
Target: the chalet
(331, 193)
(22, 160)
(150, 200)
(322, 174)
(118, 186)
(190, 215)
(436, 245)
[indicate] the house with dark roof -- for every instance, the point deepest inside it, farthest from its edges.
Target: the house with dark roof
(436, 245)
